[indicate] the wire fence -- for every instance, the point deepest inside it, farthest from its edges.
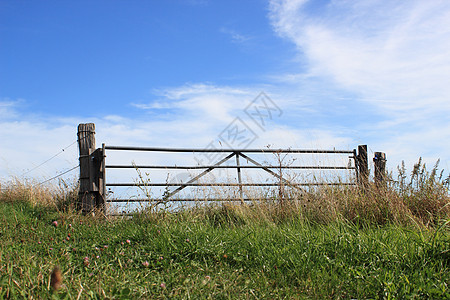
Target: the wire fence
(50, 159)
(47, 161)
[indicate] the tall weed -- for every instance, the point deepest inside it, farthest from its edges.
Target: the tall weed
(62, 196)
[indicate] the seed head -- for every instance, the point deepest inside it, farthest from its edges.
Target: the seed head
(56, 278)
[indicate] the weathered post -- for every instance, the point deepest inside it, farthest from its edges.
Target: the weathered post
(91, 194)
(362, 165)
(379, 161)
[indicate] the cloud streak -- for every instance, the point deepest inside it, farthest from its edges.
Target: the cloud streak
(390, 55)
(236, 37)
(205, 101)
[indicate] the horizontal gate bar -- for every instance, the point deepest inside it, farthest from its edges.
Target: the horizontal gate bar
(159, 149)
(227, 167)
(193, 200)
(225, 184)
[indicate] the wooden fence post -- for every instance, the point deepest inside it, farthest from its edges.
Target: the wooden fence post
(91, 193)
(379, 160)
(362, 165)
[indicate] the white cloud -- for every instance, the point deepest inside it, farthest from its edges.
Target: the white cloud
(205, 101)
(392, 55)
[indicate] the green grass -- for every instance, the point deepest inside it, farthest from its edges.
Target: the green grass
(217, 253)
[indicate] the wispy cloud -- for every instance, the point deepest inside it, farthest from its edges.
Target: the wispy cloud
(189, 90)
(393, 53)
(390, 55)
(204, 101)
(235, 36)
(7, 108)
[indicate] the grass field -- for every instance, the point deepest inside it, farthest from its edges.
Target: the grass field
(336, 244)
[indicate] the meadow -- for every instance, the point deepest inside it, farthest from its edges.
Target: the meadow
(382, 242)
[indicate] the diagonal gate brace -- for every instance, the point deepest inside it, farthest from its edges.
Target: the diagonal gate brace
(182, 186)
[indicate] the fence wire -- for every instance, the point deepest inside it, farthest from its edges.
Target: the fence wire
(53, 157)
(59, 175)
(48, 160)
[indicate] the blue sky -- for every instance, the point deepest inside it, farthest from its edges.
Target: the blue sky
(176, 73)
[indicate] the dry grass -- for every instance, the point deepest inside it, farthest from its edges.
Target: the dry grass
(423, 199)
(420, 198)
(28, 191)
(62, 196)
(372, 206)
